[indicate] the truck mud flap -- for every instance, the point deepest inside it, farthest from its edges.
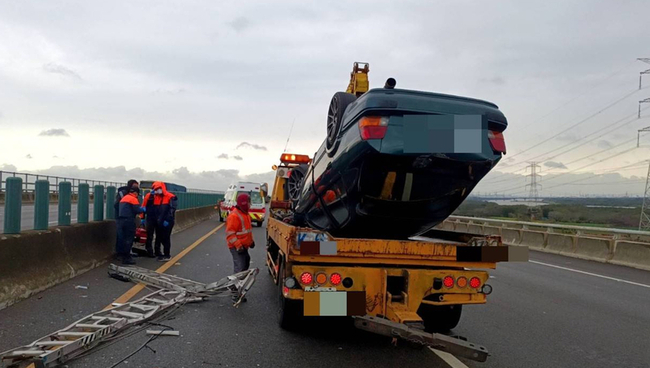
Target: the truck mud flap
(451, 345)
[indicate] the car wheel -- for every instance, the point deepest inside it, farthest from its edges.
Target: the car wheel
(293, 185)
(289, 315)
(337, 108)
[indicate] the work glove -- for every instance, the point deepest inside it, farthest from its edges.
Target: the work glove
(252, 245)
(241, 250)
(142, 222)
(144, 209)
(165, 223)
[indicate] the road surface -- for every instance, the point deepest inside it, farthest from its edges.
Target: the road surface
(27, 215)
(551, 312)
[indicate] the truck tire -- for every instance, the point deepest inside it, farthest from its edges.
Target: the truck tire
(338, 105)
(289, 311)
(440, 318)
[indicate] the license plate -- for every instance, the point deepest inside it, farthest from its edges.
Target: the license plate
(334, 303)
(443, 133)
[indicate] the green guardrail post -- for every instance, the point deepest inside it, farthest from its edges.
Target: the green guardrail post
(111, 191)
(41, 204)
(65, 203)
(83, 198)
(13, 203)
(98, 203)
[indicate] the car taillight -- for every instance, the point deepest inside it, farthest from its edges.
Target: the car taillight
(335, 279)
(496, 141)
(373, 127)
(306, 278)
(474, 282)
(448, 281)
(461, 282)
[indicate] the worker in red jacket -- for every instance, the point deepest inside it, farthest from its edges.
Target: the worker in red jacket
(164, 204)
(129, 208)
(239, 233)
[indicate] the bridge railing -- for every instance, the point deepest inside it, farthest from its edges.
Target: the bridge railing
(96, 196)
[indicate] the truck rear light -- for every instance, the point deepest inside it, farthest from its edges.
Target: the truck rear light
(321, 278)
(461, 282)
(474, 282)
(306, 278)
(448, 281)
(335, 279)
(290, 282)
(496, 141)
(373, 127)
(285, 291)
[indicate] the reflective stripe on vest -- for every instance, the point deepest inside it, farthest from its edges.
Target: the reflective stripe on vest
(243, 225)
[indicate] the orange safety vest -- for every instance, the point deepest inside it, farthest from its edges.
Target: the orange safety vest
(239, 230)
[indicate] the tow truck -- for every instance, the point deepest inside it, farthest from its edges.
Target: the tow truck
(410, 289)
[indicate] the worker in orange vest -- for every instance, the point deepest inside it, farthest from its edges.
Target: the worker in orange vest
(239, 233)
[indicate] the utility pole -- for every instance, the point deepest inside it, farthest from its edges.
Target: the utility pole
(644, 221)
(647, 61)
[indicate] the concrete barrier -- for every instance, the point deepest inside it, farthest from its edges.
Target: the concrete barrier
(491, 230)
(36, 260)
(511, 236)
(533, 239)
(33, 261)
(560, 244)
(595, 249)
(475, 229)
(632, 254)
(461, 228)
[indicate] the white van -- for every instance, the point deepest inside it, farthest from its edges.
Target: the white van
(258, 202)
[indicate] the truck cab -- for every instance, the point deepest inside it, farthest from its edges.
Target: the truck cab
(257, 210)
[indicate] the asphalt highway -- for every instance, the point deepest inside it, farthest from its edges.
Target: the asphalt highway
(550, 312)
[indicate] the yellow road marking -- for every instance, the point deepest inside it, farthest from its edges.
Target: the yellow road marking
(137, 288)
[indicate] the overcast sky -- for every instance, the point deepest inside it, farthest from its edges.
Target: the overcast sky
(205, 92)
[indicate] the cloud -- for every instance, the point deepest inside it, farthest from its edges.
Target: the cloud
(251, 145)
(555, 165)
(208, 180)
(60, 69)
(499, 81)
(223, 156)
(240, 24)
(54, 133)
(8, 167)
(170, 91)
(29, 156)
(238, 158)
(568, 137)
(605, 144)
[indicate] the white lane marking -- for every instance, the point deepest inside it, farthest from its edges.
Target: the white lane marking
(591, 274)
(449, 359)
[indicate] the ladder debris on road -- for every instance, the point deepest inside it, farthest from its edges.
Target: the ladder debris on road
(90, 331)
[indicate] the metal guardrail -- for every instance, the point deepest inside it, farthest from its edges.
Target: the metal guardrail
(582, 229)
(29, 181)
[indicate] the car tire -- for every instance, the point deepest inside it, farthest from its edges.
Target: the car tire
(440, 318)
(289, 311)
(293, 185)
(339, 103)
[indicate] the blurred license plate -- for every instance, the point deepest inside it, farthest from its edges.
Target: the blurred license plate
(443, 133)
(334, 303)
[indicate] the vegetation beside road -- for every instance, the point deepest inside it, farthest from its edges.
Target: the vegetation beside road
(566, 211)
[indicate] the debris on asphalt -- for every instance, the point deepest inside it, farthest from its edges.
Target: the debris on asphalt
(163, 332)
(81, 287)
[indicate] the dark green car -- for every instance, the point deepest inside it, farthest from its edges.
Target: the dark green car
(398, 162)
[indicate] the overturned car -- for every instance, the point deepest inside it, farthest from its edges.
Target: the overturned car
(396, 162)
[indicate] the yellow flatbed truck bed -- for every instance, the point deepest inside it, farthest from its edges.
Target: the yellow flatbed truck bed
(399, 288)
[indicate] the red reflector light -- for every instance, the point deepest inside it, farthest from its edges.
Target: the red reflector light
(496, 141)
(335, 279)
(448, 281)
(306, 278)
(474, 282)
(285, 290)
(373, 127)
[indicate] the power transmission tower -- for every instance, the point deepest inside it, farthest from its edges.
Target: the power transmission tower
(533, 194)
(647, 61)
(535, 169)
(644, 221)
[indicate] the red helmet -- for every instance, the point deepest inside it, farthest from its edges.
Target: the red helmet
(243, 202)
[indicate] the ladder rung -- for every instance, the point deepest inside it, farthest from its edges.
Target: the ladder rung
(74, 334)
(159, 301)
(87, 325)
(128, 314)
(143, 307)
(113, 319)
(52, 343)
(27, 353)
